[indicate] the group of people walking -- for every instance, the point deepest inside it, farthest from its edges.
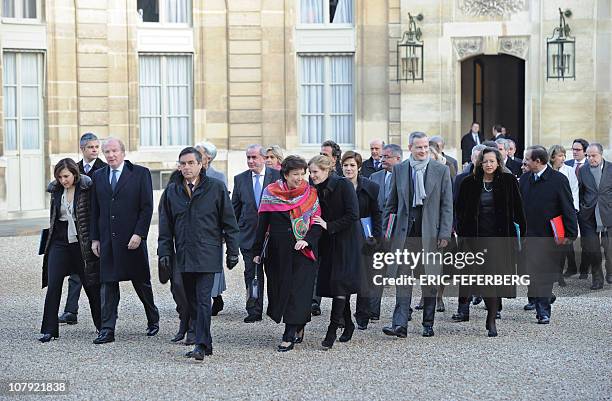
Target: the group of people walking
(306, 238)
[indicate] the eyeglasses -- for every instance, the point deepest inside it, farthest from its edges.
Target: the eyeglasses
(577, 149)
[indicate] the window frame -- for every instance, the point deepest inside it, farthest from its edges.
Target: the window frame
(163, 15)
(164, 102)
(19, 118)
(326, 18)
(19, 13)
(327, 98)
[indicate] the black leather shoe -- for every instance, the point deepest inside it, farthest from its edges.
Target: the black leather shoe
(420, 305)
(583, 276)
(543, 320)
(553, 298)
(282, 348)
(105, 336)
(362, 324)
(330, 337)
(428, 331)
(492, 332)
(46, 338)
(217, 305)
(400, 332)
(315, 309)
(476, 300)
(178, 337)
(460, 317)
(609, 278)
(67, 318)
(198, 353)
(497, 315)
(252, 319)
(597, 286)
(153, 329)
(529, 306)
(377, 318)
(189, 341)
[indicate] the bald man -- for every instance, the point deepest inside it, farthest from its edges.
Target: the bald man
(374, 163)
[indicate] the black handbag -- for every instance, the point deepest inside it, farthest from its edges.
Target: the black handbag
(44, 236)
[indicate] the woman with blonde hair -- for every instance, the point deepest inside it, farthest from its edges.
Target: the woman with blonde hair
(274, 157)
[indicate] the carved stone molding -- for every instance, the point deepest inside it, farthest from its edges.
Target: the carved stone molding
(468, 47)
(491, 8)
(517, 46)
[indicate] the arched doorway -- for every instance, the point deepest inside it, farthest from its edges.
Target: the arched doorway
(493, 92)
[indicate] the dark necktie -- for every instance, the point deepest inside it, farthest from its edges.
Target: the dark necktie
(114, 179)
(190, 185)
(578, 165)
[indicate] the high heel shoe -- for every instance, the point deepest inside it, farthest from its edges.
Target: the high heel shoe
(46, 338)
(347, 333)
(299, 337)
(283, 348)
(330, 337)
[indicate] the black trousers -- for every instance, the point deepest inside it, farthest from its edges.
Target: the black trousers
(110, 302)
(177, 288)
(74, 292)
(64, 259)
(198, 287)
(254, 307)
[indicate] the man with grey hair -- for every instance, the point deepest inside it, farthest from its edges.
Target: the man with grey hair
(515, 167)
(391, 155)
(248, 187)
(121, 211)
(595, 183)
(374, 163)
(90, 146)
(209, 151)
(421, 200)
(440, 141)
(512, 151)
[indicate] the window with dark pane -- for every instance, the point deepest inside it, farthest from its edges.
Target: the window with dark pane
(148, 10)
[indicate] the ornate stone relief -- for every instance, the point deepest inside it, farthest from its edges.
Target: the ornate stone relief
(491, 8)
(517, 46)
(468, 47)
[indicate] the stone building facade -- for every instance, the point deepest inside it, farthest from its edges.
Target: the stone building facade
(163, 74)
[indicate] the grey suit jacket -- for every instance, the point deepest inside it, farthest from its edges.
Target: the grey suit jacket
(379, 178)
(437, 208)
(214, 173)
(591, 195)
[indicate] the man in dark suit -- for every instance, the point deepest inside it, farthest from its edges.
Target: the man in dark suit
(497, 132)
(440, 141)
(246, 195)
(595, 217)
(546, 194)
(391, 155)
(121, 211)
(90, 146)
(469, 140)
(512, 151)
(374, 163)
(332, 149)
(209, 215)
(503, 145)
(579, 160)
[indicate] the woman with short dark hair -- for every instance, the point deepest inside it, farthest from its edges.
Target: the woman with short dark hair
(68, 247)
(489, 210)
(287, 211)
(371, 224)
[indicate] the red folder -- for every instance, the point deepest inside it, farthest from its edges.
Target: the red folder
(558, 229)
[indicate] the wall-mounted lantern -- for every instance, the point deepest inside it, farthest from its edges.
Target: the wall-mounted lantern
(561, 51)
(410, 52)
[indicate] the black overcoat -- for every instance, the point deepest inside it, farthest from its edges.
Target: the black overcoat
(502, 250)
(193, 228)
(116, 216)
(339, 255)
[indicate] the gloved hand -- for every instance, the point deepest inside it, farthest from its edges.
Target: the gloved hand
(164, 265)
(371, 245)
(231, 261)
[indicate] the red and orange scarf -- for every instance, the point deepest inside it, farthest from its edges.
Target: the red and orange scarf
(302, 204)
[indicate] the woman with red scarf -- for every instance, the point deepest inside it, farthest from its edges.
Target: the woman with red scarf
(286, 214)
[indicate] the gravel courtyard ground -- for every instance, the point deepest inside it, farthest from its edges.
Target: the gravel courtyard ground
(570, 359)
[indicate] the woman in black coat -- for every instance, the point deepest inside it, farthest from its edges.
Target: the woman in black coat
(489, 207)
(286, 217)
(339, 259)
(68, 247)
(371, 224)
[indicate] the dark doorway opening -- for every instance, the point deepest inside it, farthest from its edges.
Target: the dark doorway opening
(493, 92)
